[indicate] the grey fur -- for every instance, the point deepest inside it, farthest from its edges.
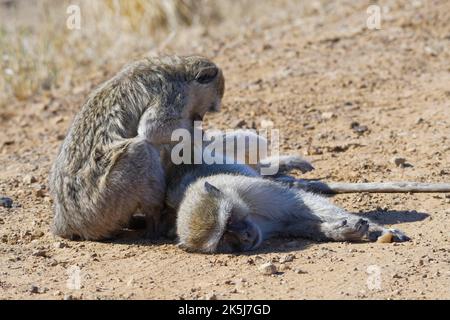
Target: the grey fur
(265, 208)
(109, 163)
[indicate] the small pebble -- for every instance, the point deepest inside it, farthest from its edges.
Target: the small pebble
(59, 245)
(6, 202)
(240, 123)
(356, 127)
(211, 296)
(299, 271)
(268, 268)
(287, 258)
(40, 253)
(34, 289)
(266, 124)
(29, 179)
(327, 115)
(399, 161)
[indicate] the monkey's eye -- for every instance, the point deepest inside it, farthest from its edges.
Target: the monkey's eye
(206, 75)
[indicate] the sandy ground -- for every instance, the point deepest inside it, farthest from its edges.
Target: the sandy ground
(313, 74)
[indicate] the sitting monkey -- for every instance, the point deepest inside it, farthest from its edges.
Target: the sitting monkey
(109, 163)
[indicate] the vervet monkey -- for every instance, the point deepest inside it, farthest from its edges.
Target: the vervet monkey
(109, 163)
(228, 209)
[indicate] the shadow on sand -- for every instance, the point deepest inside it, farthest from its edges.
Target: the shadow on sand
(277, 245)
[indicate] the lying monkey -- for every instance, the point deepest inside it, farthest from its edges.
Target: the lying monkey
(228, 208)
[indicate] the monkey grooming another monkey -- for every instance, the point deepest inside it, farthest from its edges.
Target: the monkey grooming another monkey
(109, 163)
(236, 211)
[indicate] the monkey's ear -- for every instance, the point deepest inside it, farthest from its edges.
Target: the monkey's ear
(207, 74)
(212, 190)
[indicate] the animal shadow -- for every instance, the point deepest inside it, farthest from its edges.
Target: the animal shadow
(394, 216)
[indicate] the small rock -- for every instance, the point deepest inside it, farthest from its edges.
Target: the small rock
(59, 245)
(37, 234)
(399, 161)
(287, 258)
(68, 297)
(39, 191)
(211, 296)
(240, 123)
(268, 268)
(327, 115)
(284, 267)
(356, 127)
(6, 202)
(266, 124)
(34, 289)
(299, 271)
(53, 263)
(48, 200)
(40, 253)
(430, 51)
(29, 179)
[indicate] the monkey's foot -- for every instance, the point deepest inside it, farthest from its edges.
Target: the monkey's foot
(397, 235)
(347, 230)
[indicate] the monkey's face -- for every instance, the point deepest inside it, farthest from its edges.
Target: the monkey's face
(216, 221)
(238, 231)
(206, 86)
(241, 234)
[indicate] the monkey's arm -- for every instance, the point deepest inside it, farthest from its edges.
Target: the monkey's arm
(373, 187)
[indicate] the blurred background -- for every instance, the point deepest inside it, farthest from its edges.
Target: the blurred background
(40, 52)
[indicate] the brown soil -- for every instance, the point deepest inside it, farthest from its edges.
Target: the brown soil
(313, 77)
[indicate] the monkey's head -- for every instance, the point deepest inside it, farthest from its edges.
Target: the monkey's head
(210, 220)
(190, 85)
(206, 86)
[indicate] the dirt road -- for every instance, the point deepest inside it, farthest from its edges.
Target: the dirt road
(314, 72)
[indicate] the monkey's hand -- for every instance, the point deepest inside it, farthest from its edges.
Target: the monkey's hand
(378, 231)
(288, 163)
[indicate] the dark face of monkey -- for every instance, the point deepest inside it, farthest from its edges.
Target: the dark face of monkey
(206, 86)
(240, 232)
(240, 235)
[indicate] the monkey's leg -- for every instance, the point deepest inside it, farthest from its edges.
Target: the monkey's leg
(340, 225)
(137, 181)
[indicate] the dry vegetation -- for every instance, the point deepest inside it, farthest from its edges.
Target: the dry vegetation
(40, 53)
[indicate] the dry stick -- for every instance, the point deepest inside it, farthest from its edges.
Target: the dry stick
(375, 187)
